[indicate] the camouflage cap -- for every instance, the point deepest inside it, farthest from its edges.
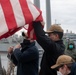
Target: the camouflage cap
(63, 59)
(55, 28)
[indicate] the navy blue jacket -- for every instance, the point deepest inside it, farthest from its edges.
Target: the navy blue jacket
(26, 61)
(52, 50)
(73, 69)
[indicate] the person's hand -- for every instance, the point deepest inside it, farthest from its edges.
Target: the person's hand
(18, 46)
(10, 49)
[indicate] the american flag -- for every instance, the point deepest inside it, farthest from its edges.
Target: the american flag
(14, 14)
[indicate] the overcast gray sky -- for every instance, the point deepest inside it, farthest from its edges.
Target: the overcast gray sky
(64, 12)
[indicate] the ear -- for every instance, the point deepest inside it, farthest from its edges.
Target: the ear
(57, 35)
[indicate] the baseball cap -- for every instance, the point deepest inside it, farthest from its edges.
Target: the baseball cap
(63, 59)
(54, 28)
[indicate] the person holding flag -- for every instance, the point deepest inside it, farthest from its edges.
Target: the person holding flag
(52, 44)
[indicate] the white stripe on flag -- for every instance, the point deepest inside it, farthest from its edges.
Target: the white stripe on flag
(3, 25)
(35, 13)
(18, 12)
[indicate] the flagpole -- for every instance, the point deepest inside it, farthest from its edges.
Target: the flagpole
(48, 14)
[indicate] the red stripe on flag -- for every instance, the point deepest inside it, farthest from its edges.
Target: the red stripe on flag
(8, 13)
(26, 12)
(30, 28)
(9, 33)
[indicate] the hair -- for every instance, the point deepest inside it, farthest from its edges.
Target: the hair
(23, 34)
(59, 33)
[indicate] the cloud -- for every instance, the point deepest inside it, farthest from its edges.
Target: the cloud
(64, 11)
